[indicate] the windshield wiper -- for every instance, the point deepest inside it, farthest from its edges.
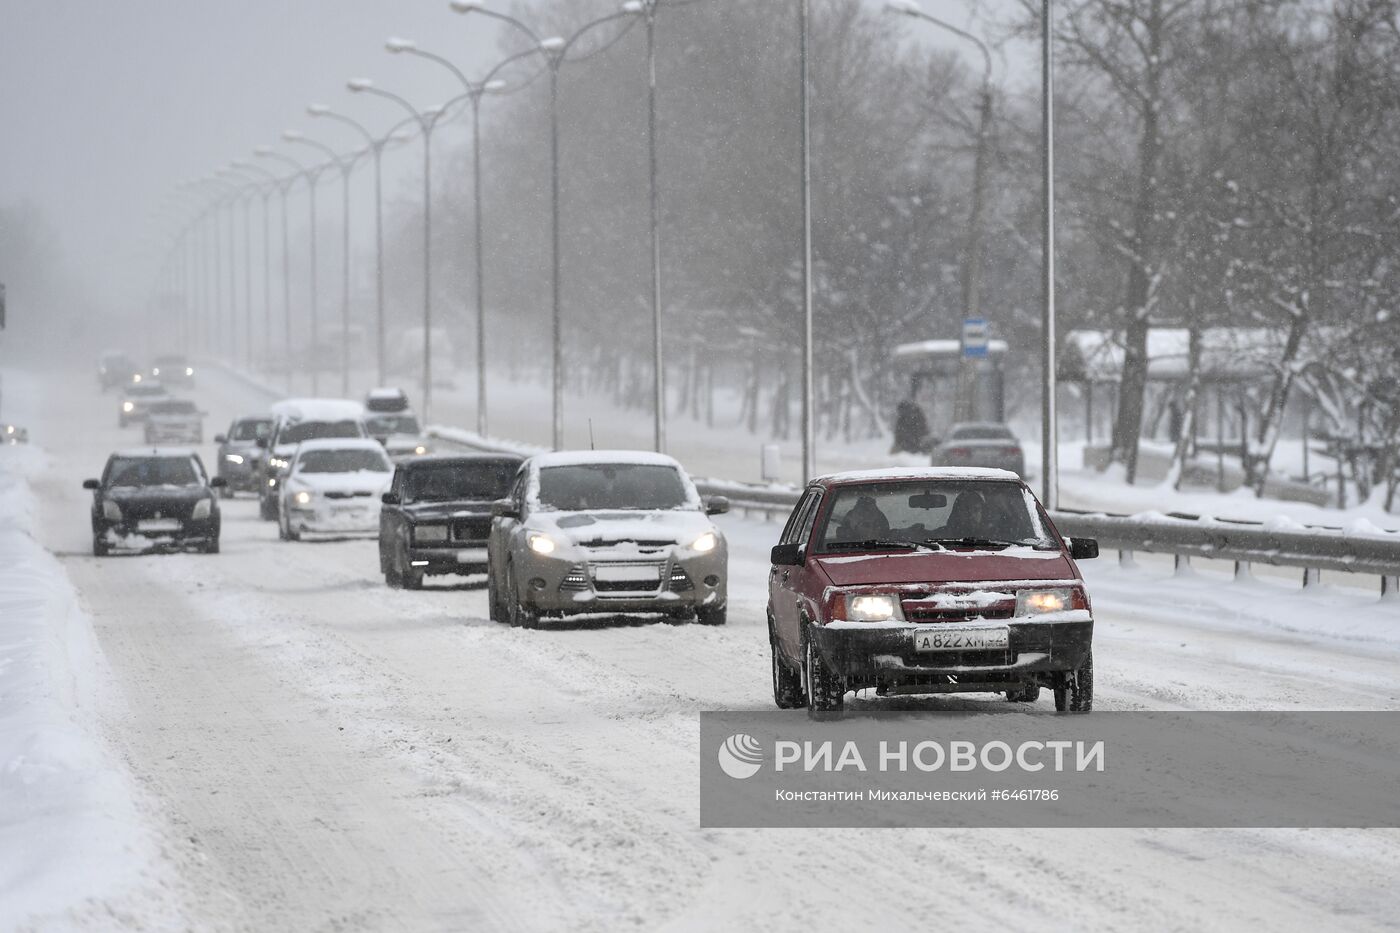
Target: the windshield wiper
(974, 542)
(874, 543)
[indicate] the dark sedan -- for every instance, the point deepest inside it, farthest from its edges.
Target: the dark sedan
(437, 515)
(154, 499)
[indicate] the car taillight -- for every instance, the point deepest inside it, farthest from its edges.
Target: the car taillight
(959, 452)
(1011, 451)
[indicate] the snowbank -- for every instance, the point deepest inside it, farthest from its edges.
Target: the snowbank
(74, 851)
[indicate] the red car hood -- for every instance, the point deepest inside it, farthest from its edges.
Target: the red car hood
(1020, 563)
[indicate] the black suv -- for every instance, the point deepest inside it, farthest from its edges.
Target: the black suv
(154, 499)
(437, 515)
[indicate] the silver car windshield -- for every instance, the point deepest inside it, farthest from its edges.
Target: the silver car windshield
(342, 461)
(581, 487)
(317, 430)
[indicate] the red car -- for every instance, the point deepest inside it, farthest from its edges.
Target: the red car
(927, 581)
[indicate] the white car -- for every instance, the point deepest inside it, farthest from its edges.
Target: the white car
(333, 486)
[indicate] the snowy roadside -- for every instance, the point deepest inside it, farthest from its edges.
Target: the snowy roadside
(75, 851)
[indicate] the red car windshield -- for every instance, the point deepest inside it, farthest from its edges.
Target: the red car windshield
(933, 512)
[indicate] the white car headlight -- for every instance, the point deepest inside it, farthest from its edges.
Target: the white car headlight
(874, 607)
(189, 370)
(705, 543)
(111, 511)
(302, 498)
(233, 458)
(155, 371)
(135, 377)
(202, 508)
(1036, 602)
(427, 534)
(542, 544)
(420, 450)
(277, 463)
(127, 406)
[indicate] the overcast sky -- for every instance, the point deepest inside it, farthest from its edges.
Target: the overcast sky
(106, 104)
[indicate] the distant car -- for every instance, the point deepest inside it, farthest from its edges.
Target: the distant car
(115, 369)
(13, 434)
(240, 457)
(136, 400)
(174, 420)
(927, 581)
(173, 370)
(436, 517)
(302, 419)
(400, 434)
(606, 531)
(333, 486)
(154, 499)
(386, 399)
(981, 444)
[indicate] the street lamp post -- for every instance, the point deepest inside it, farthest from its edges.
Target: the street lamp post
(427, 122)
(475, 91)
(376, 148)
(972, 267)
(1049, 428)
(273, 184)
(345, 165)
(313, 177)
(228, 193)
(554, 50)
(808, 407)
(248, 190)
(647, 9)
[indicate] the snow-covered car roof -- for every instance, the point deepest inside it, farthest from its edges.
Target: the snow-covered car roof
(386, 392)
(341, 443)
(906, 473)
(589, 457)
(133, 452)
(428, 461)
(318, 409)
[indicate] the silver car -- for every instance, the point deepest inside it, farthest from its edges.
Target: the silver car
(981, 444)
(606, 531)
(400, 434)
(240, 457)
(174, 420)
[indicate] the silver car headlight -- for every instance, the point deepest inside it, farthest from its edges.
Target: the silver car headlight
(874, 607)
(542, 544)
(111, 511)
(202, 508)
(233, 458)
(302, 498)
(429, 534)
(277, 463)
(128, 406)
(705, 543)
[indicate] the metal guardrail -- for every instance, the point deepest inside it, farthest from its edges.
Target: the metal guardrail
(1309, 548)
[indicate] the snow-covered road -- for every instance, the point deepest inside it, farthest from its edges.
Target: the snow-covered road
(320, 752)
